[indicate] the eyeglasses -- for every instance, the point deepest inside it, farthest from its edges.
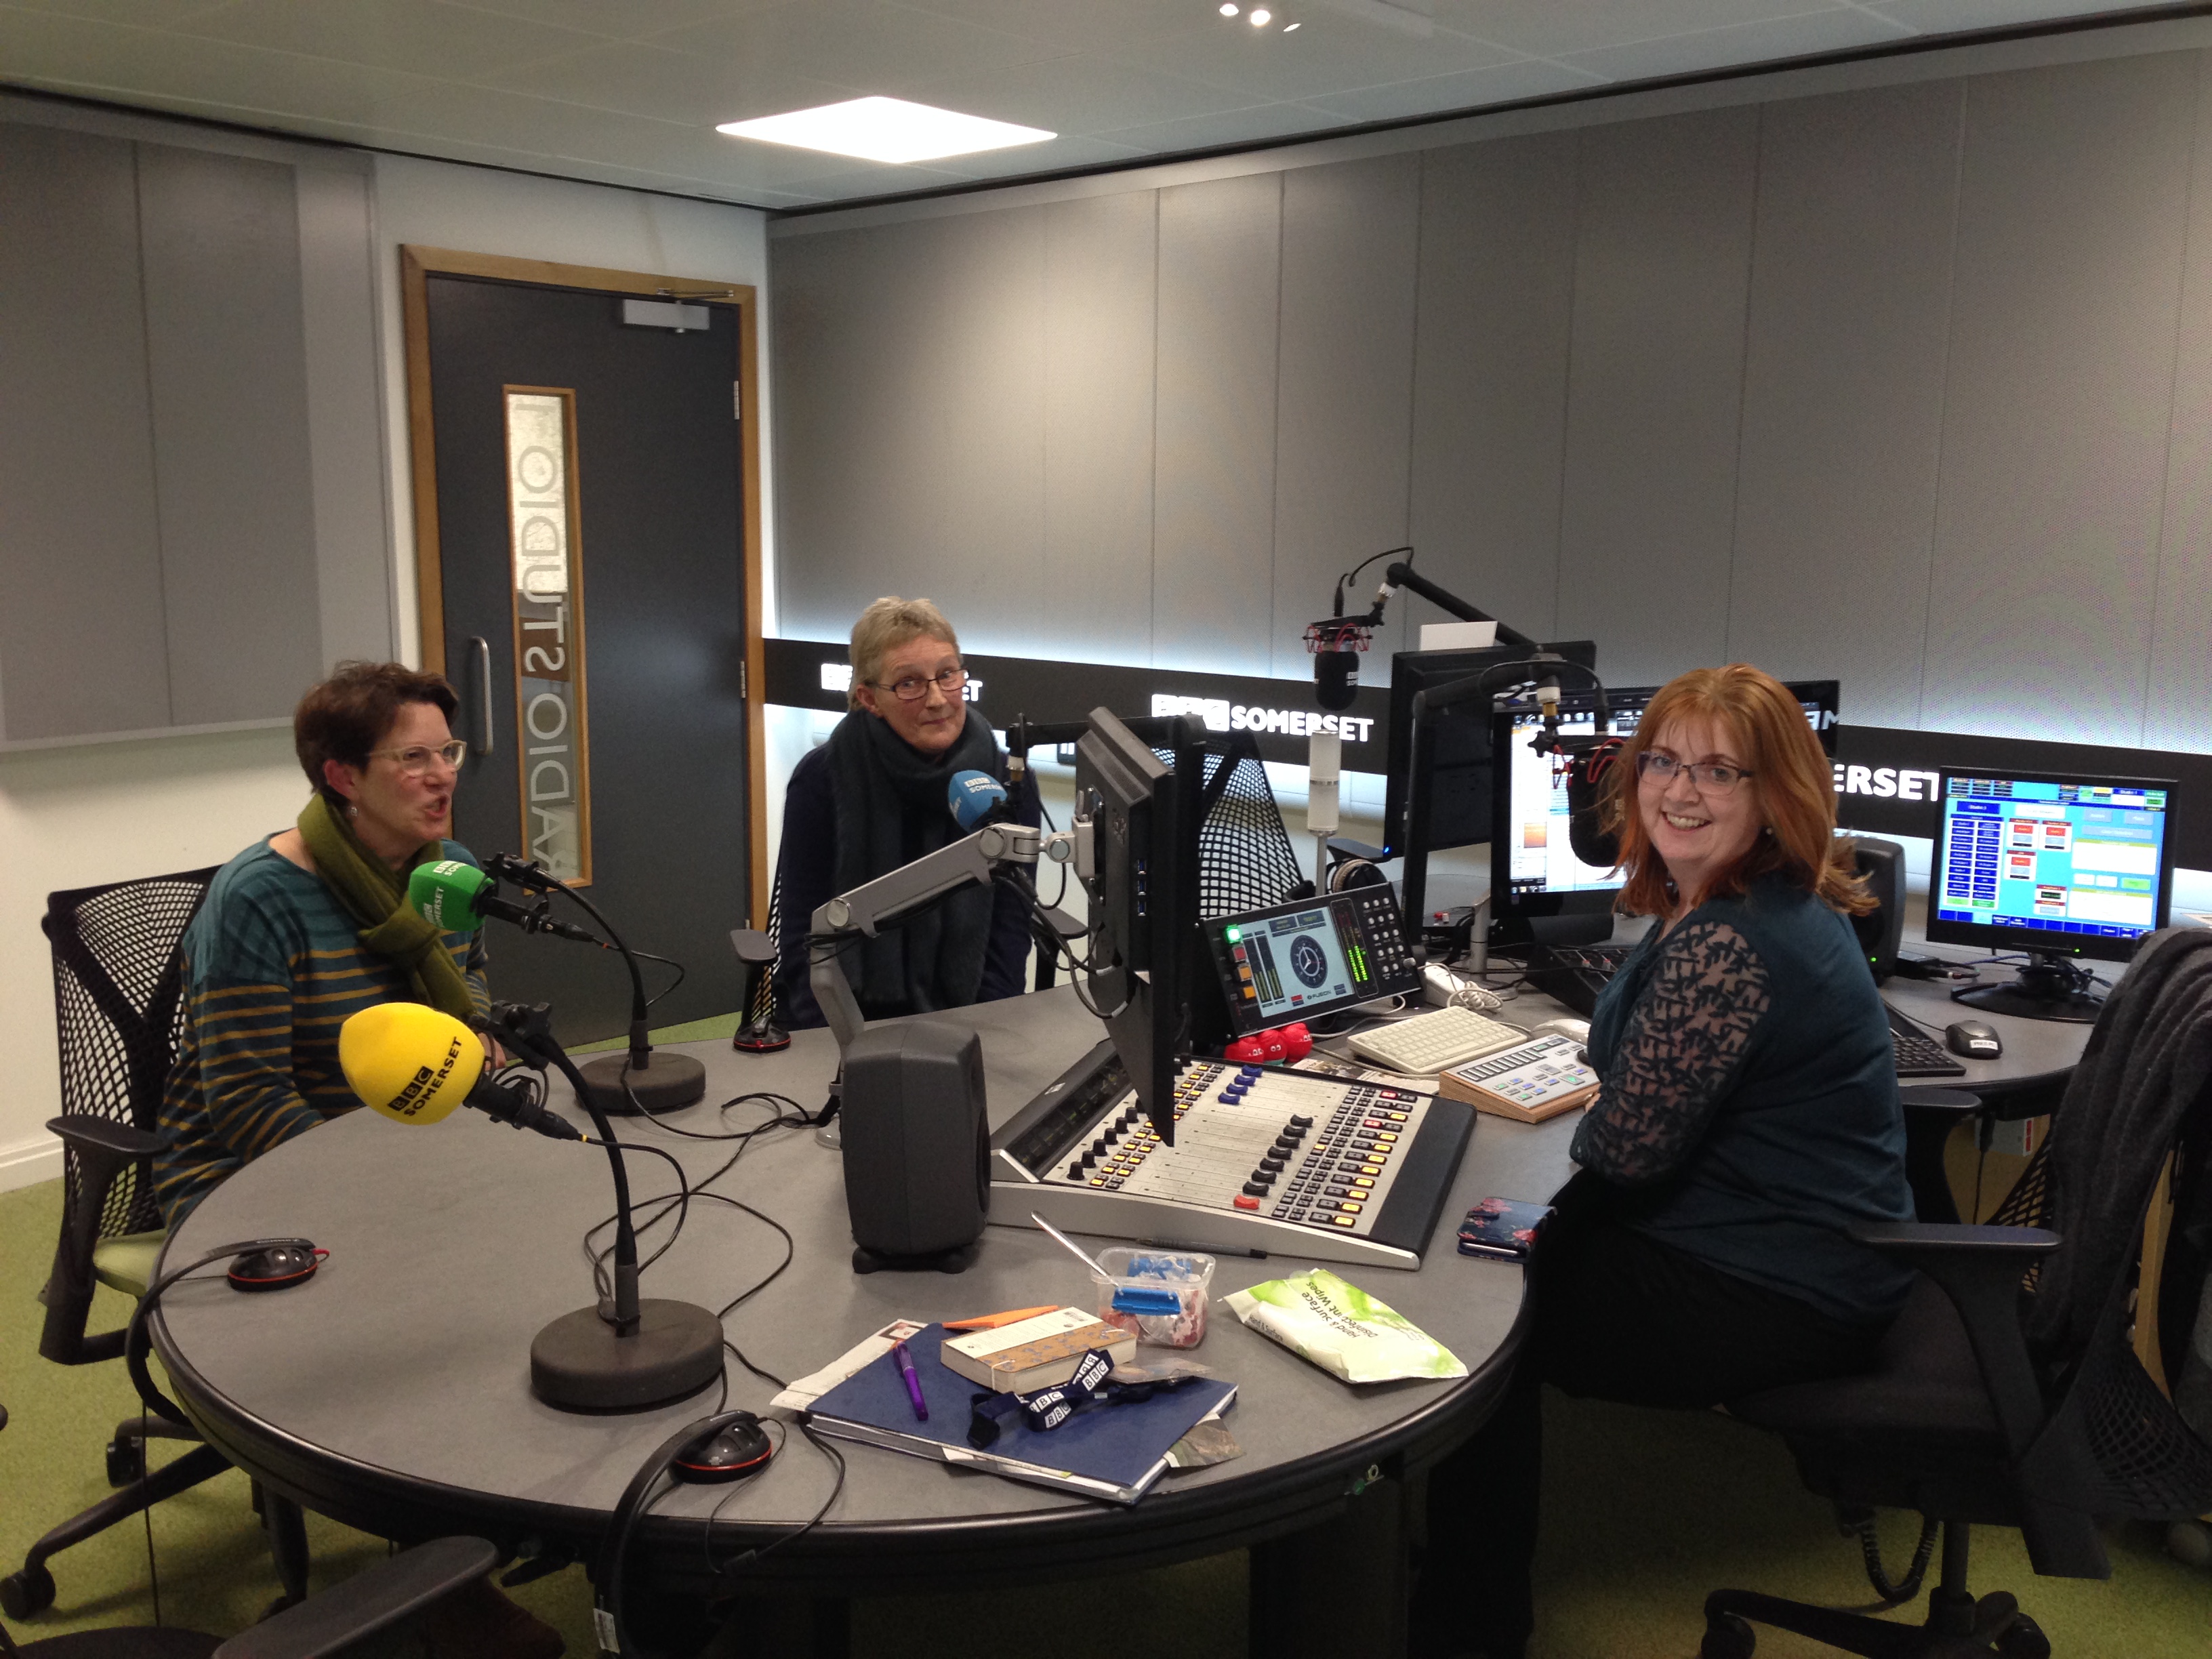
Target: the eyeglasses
(915, 687)
(416, 760)
(1711, 780)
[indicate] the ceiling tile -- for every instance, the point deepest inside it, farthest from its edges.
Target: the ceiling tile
(1550, 29)
(877, 180)
(877, 47)
(698, 89)
(622, 20)
(424, 36)
(1748, 43)
(1074, 24)
(1062, 155)
(1529, 77)
(1259, 124)
(1076, 94)
(1954, 16)
(1328, 54)
(145, 14)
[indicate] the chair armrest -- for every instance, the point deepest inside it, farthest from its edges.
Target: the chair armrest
(1979, 1269)
(95, 1135)
(389, 1592)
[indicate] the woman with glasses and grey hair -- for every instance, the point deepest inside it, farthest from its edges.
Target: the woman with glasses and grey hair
(877, 796)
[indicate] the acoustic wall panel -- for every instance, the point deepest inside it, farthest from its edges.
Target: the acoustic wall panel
(345, 429)
(1843, 393)
(226, 374)
(82, 648)
(1213, 534)
(1490, 377)
(2178, 711)
(1100, 255)
(1343, 420)
(2073, 199)
(1654, 395)
(910, 417)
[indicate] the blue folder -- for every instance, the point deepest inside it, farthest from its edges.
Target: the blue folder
(1114, 1452)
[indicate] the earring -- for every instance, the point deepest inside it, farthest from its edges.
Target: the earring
(353, 811)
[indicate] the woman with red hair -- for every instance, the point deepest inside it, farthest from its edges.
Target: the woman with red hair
(1748, 1116)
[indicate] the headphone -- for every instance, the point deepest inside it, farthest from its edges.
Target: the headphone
(137, 1341)
(639, 1496)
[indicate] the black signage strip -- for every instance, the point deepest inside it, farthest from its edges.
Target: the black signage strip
(1885, 777)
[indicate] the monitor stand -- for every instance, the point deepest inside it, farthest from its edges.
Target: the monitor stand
(2048, 987)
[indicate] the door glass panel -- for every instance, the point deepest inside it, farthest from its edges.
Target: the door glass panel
(549, 631)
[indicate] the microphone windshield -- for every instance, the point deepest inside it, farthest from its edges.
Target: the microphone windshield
(1336, 677)
(446, 891)
(408, 1062)
(974, 797)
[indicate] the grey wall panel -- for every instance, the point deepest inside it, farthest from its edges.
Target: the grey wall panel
(1843, 393)
(345, 425)
(910, 394)
(1099, 269)
(1661, 271)
(1344, 425)
(82, 644)
(1220, 246)
(2177, 712)
(227, 369)
(2072, 206)
(1490, 376)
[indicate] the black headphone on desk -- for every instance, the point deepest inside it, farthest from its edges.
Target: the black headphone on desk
(137, 1341)
(630, 1510)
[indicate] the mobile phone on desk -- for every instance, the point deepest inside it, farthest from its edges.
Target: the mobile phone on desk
(1504, 1229)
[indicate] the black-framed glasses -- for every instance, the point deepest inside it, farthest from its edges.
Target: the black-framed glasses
(915, 687)
(416, 761)
(1710, 777)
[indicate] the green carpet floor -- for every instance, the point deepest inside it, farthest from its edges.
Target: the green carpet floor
(1645, 1511)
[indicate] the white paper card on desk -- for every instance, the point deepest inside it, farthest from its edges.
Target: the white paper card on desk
(1459, 636)
(802, 1392)
(1036, 1353)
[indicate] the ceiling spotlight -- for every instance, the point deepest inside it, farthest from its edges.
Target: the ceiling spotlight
(1287, 27)
(885, 130)
(1261, 17)
(1229, 10)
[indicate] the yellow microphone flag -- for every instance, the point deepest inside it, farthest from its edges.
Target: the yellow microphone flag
(411, 1063)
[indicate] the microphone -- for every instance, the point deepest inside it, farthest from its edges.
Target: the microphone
(456, 895)
(977, 799)
(1336, 643)
(1586, 773)
(415, 1064)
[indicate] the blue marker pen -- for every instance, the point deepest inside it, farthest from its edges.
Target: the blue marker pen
(913, 1383)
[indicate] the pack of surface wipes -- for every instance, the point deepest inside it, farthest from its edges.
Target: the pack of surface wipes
(1341, 1328)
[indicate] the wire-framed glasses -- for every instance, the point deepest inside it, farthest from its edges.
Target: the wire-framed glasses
(915, 687)
(416, 761)
(1710, 777)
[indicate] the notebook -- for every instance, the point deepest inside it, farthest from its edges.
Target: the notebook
(1111, 1452)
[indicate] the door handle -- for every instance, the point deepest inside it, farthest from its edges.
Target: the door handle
(482, 648)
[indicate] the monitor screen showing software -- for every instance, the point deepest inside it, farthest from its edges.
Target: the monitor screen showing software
(2077, 862)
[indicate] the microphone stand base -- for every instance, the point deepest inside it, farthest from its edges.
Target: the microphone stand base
(580, 1365)
(663, 1084)
(760, 1039)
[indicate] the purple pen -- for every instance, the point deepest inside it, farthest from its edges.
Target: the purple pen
(913, 1383)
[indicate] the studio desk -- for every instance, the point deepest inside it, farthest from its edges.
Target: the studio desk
(392, 1391)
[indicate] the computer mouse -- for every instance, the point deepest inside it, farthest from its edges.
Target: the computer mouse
(274, 1268)
(735, 1450)
(1970, 1039)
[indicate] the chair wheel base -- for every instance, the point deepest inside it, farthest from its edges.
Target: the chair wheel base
(27, 1594)
(126, 1462)
(2024, 1639)
(1728, 1637)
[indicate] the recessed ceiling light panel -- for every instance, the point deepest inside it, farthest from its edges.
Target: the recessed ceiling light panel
(886, 130)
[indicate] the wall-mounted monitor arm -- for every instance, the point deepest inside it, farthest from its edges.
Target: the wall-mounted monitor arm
(874, 905)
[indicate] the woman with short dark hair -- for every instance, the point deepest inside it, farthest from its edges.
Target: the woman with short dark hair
(311, 924)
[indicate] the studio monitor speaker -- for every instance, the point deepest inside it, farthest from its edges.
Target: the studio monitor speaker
(917, 1147)
(1881, 929)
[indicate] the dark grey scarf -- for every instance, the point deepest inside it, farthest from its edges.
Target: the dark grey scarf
(891, 808)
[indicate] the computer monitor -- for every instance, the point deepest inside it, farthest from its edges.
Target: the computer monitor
(2056, 864)
(1155, 987)
(1462, 774)
(1535, 870)
(1311, 957)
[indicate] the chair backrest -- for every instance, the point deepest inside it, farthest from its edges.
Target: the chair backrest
(119, 1010)
(1245, 860)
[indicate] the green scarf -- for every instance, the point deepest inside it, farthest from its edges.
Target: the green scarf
(373, 895)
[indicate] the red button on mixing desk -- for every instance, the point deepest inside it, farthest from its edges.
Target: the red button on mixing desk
(1244, 1203)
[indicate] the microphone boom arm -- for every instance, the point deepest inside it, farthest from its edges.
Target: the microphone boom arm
(1405, 576)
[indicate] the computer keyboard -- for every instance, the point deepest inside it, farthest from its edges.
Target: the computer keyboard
(1918, 1054)
(1428, 1043)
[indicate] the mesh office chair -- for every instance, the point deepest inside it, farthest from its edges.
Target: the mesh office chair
(1965, 1420)
(118, 1005)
